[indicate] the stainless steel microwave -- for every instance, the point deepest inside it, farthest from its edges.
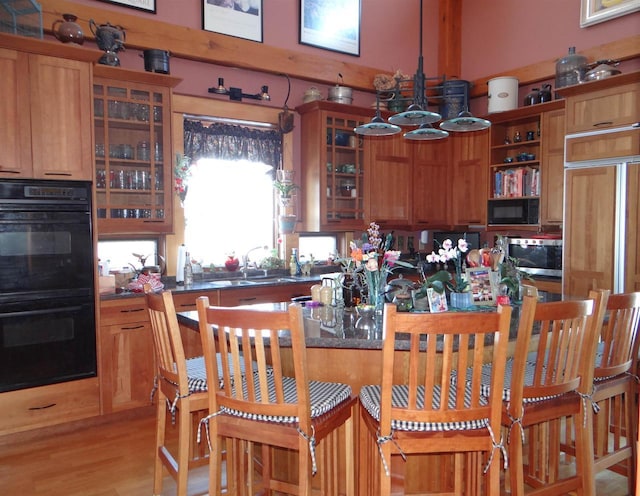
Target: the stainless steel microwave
(537, 256)
(514, 211)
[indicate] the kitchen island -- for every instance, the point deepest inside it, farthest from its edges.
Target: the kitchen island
(341, 350)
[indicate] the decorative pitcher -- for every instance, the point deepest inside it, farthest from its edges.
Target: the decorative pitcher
(110, 39)
(68, 31)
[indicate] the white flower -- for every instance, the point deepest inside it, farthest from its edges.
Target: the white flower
(463, 246)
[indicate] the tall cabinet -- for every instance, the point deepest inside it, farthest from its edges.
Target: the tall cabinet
(333, 167)
(602, 168)
(46, 110)
(133, 172)
(526, 160)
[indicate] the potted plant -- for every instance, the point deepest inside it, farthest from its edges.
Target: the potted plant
(285, 189)
(438, 282)
(511, 278)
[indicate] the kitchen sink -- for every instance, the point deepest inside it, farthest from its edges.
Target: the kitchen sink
(232, 282)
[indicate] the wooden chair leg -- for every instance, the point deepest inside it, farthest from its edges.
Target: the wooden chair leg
(184, 449)
(161, 420)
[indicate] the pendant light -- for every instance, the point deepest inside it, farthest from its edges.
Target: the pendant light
(417, 114)
(425, 132)
(465, 122)
(377, 126)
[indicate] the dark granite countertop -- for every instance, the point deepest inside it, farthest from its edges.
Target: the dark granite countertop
(337, 327)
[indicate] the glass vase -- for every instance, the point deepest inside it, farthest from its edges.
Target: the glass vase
(460, 301)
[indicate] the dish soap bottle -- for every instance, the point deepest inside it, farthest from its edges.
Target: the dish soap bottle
(188, 270)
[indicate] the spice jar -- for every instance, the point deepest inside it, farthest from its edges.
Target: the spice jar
(143, 151)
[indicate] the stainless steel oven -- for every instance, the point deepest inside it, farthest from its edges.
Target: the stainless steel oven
(538, 256)
(47, 306)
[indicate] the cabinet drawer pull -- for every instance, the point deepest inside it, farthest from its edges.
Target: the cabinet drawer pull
(132, 310)
(66, 174)
(44, 407)
(9, 171)
(186, 305)
(153, 221)
(604, 123)
(132, 328)
(247, 299)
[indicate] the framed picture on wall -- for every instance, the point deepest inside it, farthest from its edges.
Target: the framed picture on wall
(239, 18)
(331, 25)
(595, 11)
(482, 284)
(146, 5)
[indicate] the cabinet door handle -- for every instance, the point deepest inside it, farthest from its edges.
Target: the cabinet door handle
(9, 171)
(66, 174)
(604, 123)
(132, 328)
(247, 299)
(43, 407)
(152, 221)
(132, 310)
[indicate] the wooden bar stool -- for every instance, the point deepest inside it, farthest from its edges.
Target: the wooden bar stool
(182, 390)
(427, 408)
(547, 386)
(276, 406)
(614, 383)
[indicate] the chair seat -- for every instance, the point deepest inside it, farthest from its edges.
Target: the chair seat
(197, 373)
(323, 397)
(508, 371)
(370, 399)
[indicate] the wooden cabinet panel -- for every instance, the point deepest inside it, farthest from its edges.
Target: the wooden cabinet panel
(470, 161)
(61, 118)
(632, 244)
(589, 231)
(42, 406)
(552, 167)
(46, 111)
(15, 132)
(432, 180)
(604, 146)
(388, 180)
(126, 355)
(590, 108)
(265, 294)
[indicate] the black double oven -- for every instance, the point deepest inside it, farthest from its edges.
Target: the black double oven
(47, 305)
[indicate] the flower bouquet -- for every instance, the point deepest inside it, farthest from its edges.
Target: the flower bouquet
(458, 284)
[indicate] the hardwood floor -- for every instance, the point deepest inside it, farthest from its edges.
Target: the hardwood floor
(115, 459)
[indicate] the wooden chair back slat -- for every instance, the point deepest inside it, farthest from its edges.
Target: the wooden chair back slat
(463, 342)
(170, 357)
(619, 336)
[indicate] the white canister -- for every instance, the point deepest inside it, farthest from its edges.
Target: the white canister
(503, 94)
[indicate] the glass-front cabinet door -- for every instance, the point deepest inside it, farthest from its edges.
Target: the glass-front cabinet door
(132, 155)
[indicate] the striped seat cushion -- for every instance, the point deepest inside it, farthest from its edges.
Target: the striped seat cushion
(485, 386)
(323, 397)
(197, 373)
(370, 399)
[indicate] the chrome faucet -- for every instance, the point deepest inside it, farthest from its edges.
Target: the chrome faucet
(245, 258)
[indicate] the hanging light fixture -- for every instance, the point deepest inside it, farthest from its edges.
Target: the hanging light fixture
(377, 126)
(465, 122)
(417, 113)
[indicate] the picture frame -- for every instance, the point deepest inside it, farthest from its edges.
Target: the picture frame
(596, 11)
(331, 25)
(483, 285)
(241, 19)
(145, 5)
(437, 301)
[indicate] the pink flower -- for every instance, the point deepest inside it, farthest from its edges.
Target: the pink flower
(447, 244)
(463, 246)
(372, 264)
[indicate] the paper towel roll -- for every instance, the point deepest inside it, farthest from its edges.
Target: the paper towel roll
(424, 237)
(182, 251)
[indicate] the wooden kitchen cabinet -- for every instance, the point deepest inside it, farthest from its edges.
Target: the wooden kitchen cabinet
(389, 179)
(608, 103)
(333, 167)
(46, 110)
(126, 358)
(263, 294)
(469, 160)
(133, 155)
(536, 131)
(43, 406)
(432, 180)
(552, 167)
